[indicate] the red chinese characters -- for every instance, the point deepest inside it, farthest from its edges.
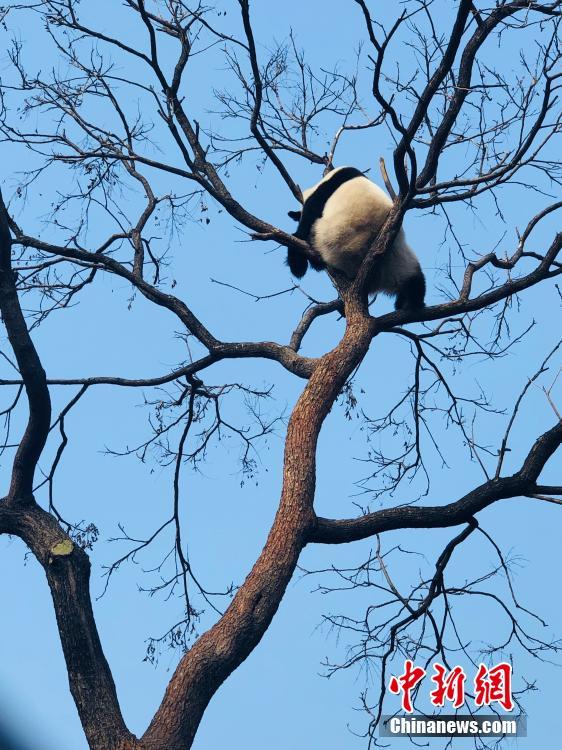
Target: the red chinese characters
(405, 683)
(493, 685)
(449, 686)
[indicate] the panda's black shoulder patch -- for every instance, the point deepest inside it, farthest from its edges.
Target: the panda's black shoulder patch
(313, 207)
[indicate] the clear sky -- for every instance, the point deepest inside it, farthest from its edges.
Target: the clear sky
(280, 697)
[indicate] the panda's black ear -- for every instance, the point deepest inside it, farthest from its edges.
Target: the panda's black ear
(296, 215)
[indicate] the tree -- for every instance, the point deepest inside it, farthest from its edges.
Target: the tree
(117, 126)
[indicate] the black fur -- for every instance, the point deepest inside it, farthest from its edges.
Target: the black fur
(296, 262)
(314, 206)
(411, 295)
(312, 210)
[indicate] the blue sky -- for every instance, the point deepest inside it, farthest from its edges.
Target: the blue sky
(280, 697)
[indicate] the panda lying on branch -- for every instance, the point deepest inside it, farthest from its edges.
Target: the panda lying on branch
(341, 218)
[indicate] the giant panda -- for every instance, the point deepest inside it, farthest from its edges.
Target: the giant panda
(340, 218)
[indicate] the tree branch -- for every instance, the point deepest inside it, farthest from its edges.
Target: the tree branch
(522, 483)
(285, 355)
(33, 375)
(258, 96)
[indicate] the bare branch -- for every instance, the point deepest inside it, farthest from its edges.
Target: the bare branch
(519, 484)
(33, 375)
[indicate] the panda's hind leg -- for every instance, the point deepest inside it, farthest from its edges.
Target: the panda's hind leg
(297, 262)
(411, 295)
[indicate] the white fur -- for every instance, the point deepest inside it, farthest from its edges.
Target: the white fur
(352, 218)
